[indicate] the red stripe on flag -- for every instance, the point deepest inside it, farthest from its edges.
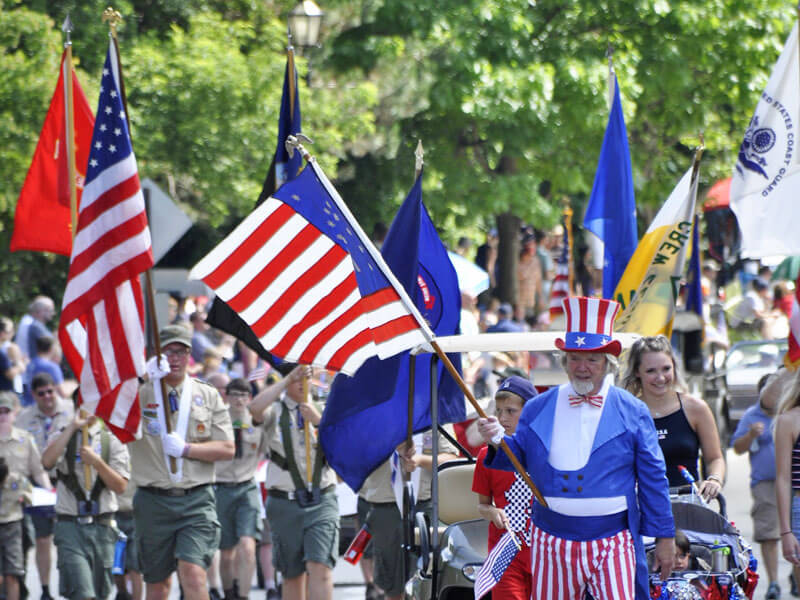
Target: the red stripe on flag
(249, 246)
(106, 286)
(95, 355)
(324, 336)
(264, 278)
(321, 310)
(394, 328)
(301, 286)
(353, 344)
(111, 239)
(122, 191)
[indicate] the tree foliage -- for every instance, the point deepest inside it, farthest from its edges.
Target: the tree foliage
(509, 98)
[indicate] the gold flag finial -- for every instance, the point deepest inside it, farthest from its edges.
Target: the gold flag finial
(113, 18)
(419, 153)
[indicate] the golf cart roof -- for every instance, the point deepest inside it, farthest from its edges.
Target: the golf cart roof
(532, 341)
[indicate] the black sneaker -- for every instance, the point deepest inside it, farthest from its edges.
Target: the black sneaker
(214, 594)
(273, 594)
(793, 586)
(773, 591)
(45, 596)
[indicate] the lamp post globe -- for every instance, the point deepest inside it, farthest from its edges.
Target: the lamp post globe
(304, 23)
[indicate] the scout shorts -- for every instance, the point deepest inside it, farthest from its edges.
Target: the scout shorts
(11, 558)
(764, 512)
(43, 524)
(239, 513)
(84, 558)
(386, 526)
(173, 528)
(303, 534)
(125, 525)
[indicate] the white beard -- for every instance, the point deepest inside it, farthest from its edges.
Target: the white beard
(583, 388)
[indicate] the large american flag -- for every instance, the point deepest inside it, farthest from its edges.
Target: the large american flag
(495, 564)
(312, 287)
(560, 288)
(102, 314)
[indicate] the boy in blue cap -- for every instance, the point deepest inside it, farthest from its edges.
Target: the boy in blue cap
(503, 497)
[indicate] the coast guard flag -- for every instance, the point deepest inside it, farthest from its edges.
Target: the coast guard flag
(283, 168)
(495, 565)
(366, 416)
(649, 287)
(766, 178)
(611, 212)
(102, 315)
(306, 279)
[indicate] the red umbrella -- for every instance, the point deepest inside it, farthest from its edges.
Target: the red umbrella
(719, 196)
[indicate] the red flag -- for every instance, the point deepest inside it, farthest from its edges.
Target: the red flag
(102, 315)
(792, 358)
(42, 219)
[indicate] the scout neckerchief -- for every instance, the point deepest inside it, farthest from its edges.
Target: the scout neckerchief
(184, 408)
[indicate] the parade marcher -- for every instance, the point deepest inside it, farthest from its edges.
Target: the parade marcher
(303, 515)
(592, 451)
(133, 572)
(22, 461)
(238, 498)
(754, 435)
(84, 533)
(384, 520)
(684, 424)
(504, 498)
(175, 512)
(49, 415)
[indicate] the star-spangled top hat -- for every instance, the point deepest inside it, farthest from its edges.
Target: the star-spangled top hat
(589, 326)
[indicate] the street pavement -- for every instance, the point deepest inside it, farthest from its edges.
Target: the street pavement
(349, 582)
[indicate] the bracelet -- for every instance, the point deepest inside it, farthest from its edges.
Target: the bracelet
(714, 477)
(785, 532)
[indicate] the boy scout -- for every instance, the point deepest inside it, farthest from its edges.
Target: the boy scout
(385, 522)
(84, 532)
(238, 497)
(174, 512)
(50, 414)
(303, 515)
(22, 462)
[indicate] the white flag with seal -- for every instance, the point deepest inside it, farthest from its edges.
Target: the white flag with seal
(767, 175)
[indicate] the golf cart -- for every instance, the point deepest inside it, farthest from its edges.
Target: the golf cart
(443, 561)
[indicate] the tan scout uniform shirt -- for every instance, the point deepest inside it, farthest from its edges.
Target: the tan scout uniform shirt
(254, 448)
(208, 421)
(23, 460)
(377, 488)
(277, 478)
(118, 459)
(40, 426)
(125, 499)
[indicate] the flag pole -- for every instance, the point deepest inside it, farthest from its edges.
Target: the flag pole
(292, 144)
(73, 192)
(291, 69)
(114, 18)
(570, 261)
(307, 434)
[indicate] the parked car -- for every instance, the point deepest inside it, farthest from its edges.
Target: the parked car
(731, 388)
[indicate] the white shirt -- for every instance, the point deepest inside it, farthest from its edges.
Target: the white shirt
(574, 429)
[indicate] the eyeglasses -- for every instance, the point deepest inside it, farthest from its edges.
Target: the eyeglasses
(176, 352)
(45, 392)
(238, 395)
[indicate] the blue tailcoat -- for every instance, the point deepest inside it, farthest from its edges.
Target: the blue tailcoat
(625, 453)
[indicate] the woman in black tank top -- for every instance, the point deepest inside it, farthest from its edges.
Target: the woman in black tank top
(684, 424)
(787, 462)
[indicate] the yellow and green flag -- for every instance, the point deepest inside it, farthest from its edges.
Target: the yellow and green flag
(648, 289)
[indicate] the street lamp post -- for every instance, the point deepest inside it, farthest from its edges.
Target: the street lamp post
(304, 24)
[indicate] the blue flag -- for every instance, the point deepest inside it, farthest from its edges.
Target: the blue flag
(366, 416)
(694, 295)
(611, 213)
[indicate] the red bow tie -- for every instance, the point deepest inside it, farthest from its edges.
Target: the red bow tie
(593, 400)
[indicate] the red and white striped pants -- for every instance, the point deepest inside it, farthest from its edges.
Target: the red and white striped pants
(565, 569)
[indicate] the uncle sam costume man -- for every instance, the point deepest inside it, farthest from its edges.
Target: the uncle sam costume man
(592, 450)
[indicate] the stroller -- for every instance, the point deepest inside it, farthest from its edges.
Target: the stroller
(722, 565)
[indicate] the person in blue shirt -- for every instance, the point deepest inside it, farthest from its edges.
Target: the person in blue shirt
(43, 362)
(754, 436)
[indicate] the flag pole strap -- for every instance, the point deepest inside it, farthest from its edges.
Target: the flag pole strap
(292, 143)
(307, 434)
(114, 18)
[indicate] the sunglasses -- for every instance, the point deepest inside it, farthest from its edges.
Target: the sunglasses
(179, 353)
